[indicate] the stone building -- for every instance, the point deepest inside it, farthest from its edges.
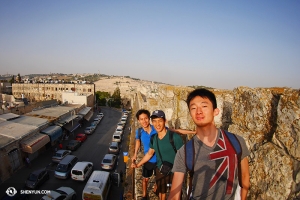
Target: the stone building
(5, 88)
(47, 91)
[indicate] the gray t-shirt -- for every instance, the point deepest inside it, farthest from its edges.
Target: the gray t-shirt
(212, 167)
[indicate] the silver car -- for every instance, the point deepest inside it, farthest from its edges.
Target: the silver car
(108, 162)
(89, 130)
(59, 155)
(60, 193)
(114, 148)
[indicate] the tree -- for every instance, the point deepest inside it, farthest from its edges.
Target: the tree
(101, 97)
(12, 80)
(116, 98)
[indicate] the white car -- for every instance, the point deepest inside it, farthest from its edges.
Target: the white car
(100, 115)
(120, 124)
(119, 129)
(62, 193)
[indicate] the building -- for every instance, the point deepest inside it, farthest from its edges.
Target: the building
(18, 141)
(75, 98)
(47, 91)
(31, 134)
(5, 88)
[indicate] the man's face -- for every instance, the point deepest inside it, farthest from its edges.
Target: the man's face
(202, 112)
(159, 124)
(144, 120)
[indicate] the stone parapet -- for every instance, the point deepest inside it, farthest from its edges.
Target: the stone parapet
(267, 118)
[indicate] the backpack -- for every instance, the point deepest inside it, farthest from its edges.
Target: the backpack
(190, 156)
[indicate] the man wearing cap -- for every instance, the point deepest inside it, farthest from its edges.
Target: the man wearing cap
(165, 152)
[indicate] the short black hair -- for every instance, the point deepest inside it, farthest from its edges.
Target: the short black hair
(142, 111)
(204, 93)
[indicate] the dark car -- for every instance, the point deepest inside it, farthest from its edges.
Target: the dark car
(37, 178)
(73, 145)
(81, 137)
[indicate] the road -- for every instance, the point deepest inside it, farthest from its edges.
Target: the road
(93, 150)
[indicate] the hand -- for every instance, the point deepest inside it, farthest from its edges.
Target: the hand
(133, 158)
(133, 165)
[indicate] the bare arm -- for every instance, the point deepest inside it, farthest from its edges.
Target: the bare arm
(245, 178)
(182, 131)
(147, 157)
(175, 192)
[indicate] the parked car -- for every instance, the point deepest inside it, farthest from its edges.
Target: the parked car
(123, 121)
(62, 193)
(59, 155)
(64, 167)
(94, 124)
(117, 137)
(37, 178)
(114, 148)
(108, 162)
(119, 129)
(89, 130)
(81, 137)
(81, 171)
(120, 124)
(73, 145)
(97, 120)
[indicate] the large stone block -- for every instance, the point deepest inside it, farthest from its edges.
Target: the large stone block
(287, 134)
(271, 174)
(252, 108)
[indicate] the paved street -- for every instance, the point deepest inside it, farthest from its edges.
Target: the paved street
(93, 150)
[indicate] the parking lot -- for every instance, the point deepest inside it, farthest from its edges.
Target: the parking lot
(92, 150)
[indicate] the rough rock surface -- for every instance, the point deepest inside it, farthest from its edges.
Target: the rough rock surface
(267, 118)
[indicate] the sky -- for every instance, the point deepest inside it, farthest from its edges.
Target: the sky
(220, 44)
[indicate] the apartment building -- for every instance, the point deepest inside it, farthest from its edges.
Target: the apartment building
(46, 91)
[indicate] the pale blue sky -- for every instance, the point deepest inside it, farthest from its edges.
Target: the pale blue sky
(221, 44)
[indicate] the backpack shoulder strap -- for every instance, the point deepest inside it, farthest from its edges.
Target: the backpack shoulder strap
(189, 155)
(235, 143)
(189, 151)
(172, 141)
(152, 138)
(238, 150)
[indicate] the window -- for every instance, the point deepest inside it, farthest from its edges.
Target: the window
(89, 90)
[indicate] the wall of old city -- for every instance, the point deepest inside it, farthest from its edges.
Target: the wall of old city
(267, 118)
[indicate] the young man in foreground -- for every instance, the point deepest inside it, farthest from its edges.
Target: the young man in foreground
(164, 151)
(215, 162)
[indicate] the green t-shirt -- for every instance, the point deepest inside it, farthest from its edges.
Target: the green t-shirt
(165, 147)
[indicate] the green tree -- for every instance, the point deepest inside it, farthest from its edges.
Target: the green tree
(101, 97)
(116, 98)
(12, 80)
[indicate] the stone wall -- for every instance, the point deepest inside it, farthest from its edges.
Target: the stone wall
(268, 119)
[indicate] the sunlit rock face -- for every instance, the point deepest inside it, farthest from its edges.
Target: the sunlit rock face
(267, 118)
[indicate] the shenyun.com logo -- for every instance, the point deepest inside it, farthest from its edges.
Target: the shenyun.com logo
(11, 191)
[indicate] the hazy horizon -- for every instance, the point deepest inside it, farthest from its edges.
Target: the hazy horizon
(216, 44)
